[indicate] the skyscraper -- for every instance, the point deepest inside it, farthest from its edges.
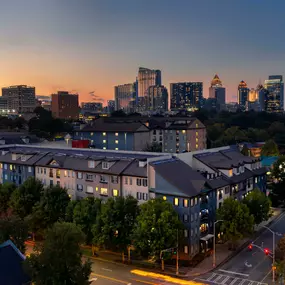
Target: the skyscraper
(186, 95)
(262, 97)
(157, 98)
(110, 106)
(65, 105)
(21, 98)
(243, 93)
(146, 78)
(126, 97)
(218, 93)
(275, 97)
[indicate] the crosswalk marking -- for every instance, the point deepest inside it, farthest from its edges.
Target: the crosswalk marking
(221, 279)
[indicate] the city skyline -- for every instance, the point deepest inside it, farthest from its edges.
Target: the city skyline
(82, 48)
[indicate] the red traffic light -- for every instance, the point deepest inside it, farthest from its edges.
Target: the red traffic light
(266, 251)
(250, 247)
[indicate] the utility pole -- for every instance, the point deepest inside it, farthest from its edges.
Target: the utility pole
(177, 257)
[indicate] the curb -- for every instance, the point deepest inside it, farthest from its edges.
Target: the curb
(239, 249)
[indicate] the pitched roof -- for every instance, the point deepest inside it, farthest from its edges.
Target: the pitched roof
(11, 267)
(173, 170)
(102, 125)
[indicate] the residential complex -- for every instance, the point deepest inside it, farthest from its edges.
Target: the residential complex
(186, 96)
(196, 183)
(173, 134)
(20, 98)
(65, 105)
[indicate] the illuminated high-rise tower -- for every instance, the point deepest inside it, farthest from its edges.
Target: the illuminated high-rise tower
(146, 78)
(217, 93)
(243, 92)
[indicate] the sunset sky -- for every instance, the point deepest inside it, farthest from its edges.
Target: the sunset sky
(92, 45)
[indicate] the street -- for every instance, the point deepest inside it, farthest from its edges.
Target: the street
(249, 267)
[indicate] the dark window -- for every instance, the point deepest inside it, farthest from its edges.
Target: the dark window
(139, 182)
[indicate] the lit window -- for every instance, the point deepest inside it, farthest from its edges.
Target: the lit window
(104, 134)
(116, 141)
(104, 191)
(197, 140)
(197, 146)
(116, 134)
(89, 189)
(183, 131)
(186, 233)
(185, 203)
(1, 165)
(197, 125)
(91, 134)
(196, 201)
(104, 141)
(116, 148)
(11, 167)
(230, 172)
(115, 192)
(176, 201)
(104, 147)
(96, 188)
(186, 249)
(65, 173)
(164, 198)
(197, 134)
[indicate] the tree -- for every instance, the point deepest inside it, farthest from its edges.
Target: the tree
(277, 194)
(237, 221)
(26, 196)
(59, 259)
(154, 147)
(114, 227)
(50, 209)
(156, 228)
(280, 249)
(15, 229)
(270, 148)
(245, 151)
(6, 191)
(259, 206)
(69, 210)
(278, 170)
(85, 213)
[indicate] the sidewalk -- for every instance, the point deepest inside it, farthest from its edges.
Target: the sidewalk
(222, 252)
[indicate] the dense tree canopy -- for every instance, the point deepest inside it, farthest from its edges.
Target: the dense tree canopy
(6, 191)
(156, 228)
(270, 148)
(259, 205)
(26, 196)
(237, 222)
(59, 260)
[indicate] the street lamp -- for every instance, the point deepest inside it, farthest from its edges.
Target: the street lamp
(214, 245)
(273, 253)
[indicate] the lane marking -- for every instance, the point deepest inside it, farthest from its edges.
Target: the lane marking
(106, 269)
(243, 280)
(266, 276)
(233, 272)
(112, 279)
(145, 282)
(212, 276)
(236, 279)
(218, 278)
(225, 280)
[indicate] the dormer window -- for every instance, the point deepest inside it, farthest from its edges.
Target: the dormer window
(105, 165)
(23, 158)
(230, 172)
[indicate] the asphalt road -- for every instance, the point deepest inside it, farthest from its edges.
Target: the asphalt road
(249, 267)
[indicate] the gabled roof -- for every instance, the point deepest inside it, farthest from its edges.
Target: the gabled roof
(11, 265)
(180, 175)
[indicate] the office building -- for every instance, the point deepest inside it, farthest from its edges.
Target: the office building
(275, 96)
(126, 97)
(218, 93)
(110, 106)
(195, 183)
(146, 78)
(157, 97)
(20, 98)
(3, 105)
(243, 93)
(44, 102)
(92, 107)
(65, 105)
(186, 96)
(262, 97)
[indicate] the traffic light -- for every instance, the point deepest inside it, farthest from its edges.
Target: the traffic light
(250, 247)
(266, 251)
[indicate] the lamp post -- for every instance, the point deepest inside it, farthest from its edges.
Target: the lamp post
(214, 245)
(273, 253)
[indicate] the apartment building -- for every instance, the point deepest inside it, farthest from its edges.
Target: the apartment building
(195, 183)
